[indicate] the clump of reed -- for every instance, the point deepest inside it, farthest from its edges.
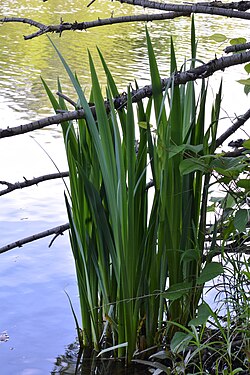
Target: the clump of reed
(139, 250)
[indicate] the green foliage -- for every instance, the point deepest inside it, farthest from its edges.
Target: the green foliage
(180, 341)
(210, 271)
(177, 291)
(218, 37)
(244, 81)
(126, 249)
(247, 144)
(247, 68)
(203, 313)
(244, 183)
(241, 219)
(211, 342)
(238, 40)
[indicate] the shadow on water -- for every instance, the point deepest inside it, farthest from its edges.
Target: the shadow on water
(66, 364)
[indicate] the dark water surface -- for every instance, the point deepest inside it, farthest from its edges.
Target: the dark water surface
(35, 312)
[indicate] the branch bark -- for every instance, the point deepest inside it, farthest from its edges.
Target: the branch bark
(203, 71)
(26, 183)
(81, 26)
(238, 5)
(233, 10)
(51, 120)
(59, 230)
(232, 129)
(237, 47)
(194, 8)
(56, 230)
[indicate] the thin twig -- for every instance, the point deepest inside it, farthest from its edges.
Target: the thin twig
(67, 99)
(92, 1)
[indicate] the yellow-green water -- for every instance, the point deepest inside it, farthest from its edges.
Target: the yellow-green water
(123, 45)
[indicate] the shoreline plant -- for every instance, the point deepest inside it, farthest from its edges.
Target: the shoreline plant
(140, 180)
(126, 251)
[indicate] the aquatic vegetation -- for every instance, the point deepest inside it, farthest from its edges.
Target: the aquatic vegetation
(137, 207)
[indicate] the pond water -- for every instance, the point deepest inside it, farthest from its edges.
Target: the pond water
(35, 312)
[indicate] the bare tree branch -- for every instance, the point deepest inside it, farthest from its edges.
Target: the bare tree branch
(55, 119)
(34, 181)
(194, 8)
(59, 230)
(237, 47)
(232, 129)
(238, 5)
(193, 74)
(29, 21)
(233, 9)
(56, 230)
(236, 152)
(66, 26)
(202, 71)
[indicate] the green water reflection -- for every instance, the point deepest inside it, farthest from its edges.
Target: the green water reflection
(23, 62)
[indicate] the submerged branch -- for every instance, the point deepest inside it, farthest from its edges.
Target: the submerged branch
(56, 230)
(33, 181)
(202, 71)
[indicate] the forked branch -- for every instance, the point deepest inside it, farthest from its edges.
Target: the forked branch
(171, 11)
(81, 26)
(56, 230)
